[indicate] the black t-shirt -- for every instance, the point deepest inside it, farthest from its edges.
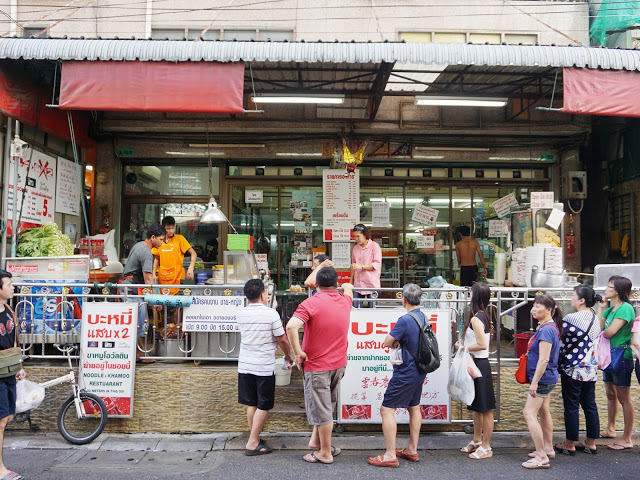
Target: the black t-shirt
(7, 336)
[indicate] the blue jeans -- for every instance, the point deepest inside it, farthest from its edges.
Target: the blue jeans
(575, 394)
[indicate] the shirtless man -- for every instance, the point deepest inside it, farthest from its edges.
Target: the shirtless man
(466, 252)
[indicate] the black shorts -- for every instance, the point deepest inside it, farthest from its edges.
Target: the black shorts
(402, 395)
(256, 391)
(468, 275)
(7, 397)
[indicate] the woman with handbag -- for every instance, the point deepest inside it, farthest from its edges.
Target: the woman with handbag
(615, 322)
(476, 335)
(579, 371)
(542, 371)
(10, 364)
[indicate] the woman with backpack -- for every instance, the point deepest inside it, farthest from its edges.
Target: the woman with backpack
(476, 336)
(542, 372)
(579, 371)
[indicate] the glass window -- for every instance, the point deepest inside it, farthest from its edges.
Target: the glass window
(202, 237)
(482, 38)
(424, 37)
(168, 33)
(421, 264)
(169, 180)
(259, 220)
(515, 39)
(450, 37)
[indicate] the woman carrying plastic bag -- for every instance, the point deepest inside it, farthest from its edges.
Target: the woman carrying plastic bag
(476, 336)
(460, 385)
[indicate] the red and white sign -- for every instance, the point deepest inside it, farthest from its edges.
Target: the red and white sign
(22, 268)
(68, 192)
(341, 204)
(541, 200)
(40, 183)
(503, 205)
(108, 354)
(424, 215)
(369, 369)
(425, 241)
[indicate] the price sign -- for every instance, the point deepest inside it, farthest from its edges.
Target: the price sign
(213, 314)
(426, 241)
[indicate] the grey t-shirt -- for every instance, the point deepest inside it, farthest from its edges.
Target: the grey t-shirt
(140, 260)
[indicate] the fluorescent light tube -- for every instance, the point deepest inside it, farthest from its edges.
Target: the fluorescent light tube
(450, 149)
(227, 145)
(461, 101)
(196, 154)
(333, 100)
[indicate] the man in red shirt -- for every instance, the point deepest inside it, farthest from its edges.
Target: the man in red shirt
(322, 357)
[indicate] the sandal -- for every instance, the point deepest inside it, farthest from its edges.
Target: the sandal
(562, 448)
(471, 447)
(534, 464)
(481, 453)
(550, 455)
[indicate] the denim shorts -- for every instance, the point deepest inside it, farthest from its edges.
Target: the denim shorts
(7, 397)
(621, 378)
(544, 390)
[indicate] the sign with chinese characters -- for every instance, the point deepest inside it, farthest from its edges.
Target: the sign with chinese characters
(68, 193)
(108, 354)
(253, 196)
(425, 241)
(424, 215)
(498, 228)
(503, 205)
(369, 369)
(40, 183)
(541, 200)
(212, 314)
(341, 204)
(262, 261)
(380, 214)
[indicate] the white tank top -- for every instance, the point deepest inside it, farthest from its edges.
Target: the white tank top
(470, 336)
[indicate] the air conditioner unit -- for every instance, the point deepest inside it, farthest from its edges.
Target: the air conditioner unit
(148, 173)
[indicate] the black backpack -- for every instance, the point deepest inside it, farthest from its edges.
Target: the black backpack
(428, 358)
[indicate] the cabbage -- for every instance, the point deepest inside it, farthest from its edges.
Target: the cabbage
(45, 241)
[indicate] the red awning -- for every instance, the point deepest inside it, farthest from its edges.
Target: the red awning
(601, 92)
(24, 99)
(198, 87)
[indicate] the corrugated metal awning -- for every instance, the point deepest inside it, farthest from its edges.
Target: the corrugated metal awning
(415, 53)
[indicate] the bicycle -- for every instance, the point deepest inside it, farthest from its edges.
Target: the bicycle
(82, 416)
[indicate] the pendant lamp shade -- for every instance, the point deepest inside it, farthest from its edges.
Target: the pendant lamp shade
(213, 213)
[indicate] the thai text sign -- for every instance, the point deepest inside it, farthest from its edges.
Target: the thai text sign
(424, 215)
(212, 314)
(108, 354)
(341, 204)
(541, 200)
(503, 205)
(498, 228)
(369, 369)
(68, 192)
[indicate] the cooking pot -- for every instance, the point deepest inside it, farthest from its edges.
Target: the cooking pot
(547, 279)
(96, 263)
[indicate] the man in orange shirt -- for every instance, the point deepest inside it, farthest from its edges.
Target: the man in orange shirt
(169, 258)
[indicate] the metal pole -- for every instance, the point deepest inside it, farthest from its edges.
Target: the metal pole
(5, 191)
(14, 227)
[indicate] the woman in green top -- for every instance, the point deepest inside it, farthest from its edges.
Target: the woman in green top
(616, 326)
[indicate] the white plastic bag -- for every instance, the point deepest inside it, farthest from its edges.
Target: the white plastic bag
(396, 356)
(472, 368)
(461, 386)
(29, 395)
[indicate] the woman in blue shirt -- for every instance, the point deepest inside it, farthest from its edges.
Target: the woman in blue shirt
(542, 370)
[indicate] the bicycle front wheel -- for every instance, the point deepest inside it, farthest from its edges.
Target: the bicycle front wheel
(90, 424)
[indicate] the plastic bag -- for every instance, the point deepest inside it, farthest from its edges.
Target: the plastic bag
(396, 356)
(460, 385)
(603, 351)
(472, 368)
(29, 395)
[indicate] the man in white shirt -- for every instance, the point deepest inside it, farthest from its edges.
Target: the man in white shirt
(261, 331)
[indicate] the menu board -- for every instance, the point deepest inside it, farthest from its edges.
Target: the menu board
(68, 190)
(369, 370)
(341, 204)
(40, 198)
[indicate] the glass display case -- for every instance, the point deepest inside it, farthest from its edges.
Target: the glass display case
(239, 267)
(390, 272)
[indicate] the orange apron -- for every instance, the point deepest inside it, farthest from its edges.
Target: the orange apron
(170, 269)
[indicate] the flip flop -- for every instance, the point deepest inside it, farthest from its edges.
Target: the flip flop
(412, 457)
(550, 455)
(335, 451)
(606, 436)
(583, 448)
(617, 447)
(380, 462)
(311, 458)
(533, 464)
(261, 449)
(13, 476)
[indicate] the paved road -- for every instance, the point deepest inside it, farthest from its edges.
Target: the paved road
(223, 458)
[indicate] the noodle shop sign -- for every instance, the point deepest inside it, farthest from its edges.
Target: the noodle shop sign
(369, 370)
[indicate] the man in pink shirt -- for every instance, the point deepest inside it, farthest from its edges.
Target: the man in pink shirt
(322, 357)
(366, 258)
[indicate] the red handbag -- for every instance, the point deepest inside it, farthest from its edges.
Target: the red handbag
(521, 372)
